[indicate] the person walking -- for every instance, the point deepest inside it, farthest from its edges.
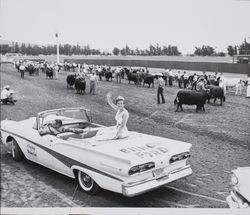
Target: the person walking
(222, 83)
(93, 82)
(248, 87)
(195, 79)
(170, 79)
(56, 70)
(179, 77)
(22, 70)
(160, 88)
(185, 78)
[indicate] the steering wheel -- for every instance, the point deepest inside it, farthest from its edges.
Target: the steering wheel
(84, 124)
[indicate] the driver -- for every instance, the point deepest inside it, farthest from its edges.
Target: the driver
(56, 128)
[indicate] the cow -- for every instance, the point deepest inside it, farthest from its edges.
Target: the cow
(216, 93)
(108, 75)
(49, 73)
(80, 85)
(71, 80)
(132, 77)
(189, 97)
(148, 79)
(30, 69)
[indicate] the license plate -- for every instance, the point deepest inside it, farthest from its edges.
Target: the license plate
(159, 173)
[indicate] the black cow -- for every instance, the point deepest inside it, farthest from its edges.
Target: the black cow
(132, 77)
(108, 75)
(49, 73)
(189, 97)
(80, 85)
(71, 80)
(30, 69)
(148, 79)
(216, 93)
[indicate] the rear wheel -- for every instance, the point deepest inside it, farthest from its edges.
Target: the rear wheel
(87, 183)
(16, 152)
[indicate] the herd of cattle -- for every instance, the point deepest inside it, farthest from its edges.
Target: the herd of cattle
(140, 77)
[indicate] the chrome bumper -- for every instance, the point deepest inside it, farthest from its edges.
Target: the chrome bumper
(137, 188)
(234, 201)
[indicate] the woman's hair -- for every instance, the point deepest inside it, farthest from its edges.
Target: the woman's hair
(119, 98)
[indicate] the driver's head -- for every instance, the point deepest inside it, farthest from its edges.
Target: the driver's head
(57, 123)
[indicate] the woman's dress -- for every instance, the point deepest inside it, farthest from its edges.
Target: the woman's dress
(111, 132)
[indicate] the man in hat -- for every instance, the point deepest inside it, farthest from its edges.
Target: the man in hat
(55, 128)
(160, 89)
(7, 95)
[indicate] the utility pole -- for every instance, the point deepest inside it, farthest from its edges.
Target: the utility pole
(57, 49)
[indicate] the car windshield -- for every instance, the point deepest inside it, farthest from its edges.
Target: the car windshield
(68, 116)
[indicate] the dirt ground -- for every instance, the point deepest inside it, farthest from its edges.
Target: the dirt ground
(219, 136)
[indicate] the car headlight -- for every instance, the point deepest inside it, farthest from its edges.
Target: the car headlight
(234, 179)
(141, 168)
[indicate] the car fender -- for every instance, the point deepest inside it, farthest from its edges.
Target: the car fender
(103, 181)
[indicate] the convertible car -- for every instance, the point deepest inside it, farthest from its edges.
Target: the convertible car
(130, 166)
(240, 194)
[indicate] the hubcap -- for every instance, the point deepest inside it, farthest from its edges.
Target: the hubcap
(86, 181)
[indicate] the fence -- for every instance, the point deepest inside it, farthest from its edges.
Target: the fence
(195, 66)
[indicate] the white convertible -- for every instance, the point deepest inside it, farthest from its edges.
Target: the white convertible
(240, 194)
(129, 166)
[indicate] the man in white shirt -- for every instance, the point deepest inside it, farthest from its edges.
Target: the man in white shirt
(179, 78)
(56, 70)
(93, 82)
(22, 70)
(161, 84)
(7, 95)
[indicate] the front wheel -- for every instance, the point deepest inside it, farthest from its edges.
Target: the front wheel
(17, 153)
(87, 183)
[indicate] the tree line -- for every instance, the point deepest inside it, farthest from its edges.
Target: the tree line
(152, 50)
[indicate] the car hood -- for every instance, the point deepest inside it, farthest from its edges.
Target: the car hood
(139, 148)
(243, 175)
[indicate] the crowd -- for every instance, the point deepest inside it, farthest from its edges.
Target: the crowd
(83, 72)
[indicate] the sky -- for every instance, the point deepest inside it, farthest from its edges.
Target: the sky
(105, 24)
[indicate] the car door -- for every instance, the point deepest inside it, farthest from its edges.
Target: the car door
(39, 149)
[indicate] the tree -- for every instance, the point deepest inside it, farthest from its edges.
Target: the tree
(116, 51)
(235, 50)
(244, 48)
(204, 51)
(17, 49)
(5, 48)
(230, 50)
(23, 48)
